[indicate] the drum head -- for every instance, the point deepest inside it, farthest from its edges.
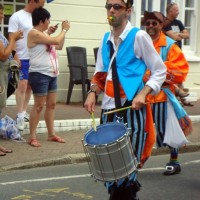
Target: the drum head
(105, 134)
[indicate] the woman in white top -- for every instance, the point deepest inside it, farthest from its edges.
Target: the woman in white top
(43, 72)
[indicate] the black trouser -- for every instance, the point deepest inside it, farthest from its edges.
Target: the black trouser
(125, 192)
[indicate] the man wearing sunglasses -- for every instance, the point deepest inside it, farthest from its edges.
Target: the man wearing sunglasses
(177, 69)
(128, 51)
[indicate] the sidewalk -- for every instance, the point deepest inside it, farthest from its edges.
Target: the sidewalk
(52, 153)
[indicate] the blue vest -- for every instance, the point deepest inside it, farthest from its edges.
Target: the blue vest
(129, 68)
(164, 49)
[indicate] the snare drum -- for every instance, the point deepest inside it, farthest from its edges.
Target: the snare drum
(109, 152)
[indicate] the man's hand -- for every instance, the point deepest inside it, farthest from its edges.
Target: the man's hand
(90, 102)
(140, 100)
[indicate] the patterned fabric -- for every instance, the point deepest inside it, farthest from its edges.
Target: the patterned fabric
(5, 43)
(8, 129)
(174, 156)
(160, 117)
(183, 118)
(135, 120)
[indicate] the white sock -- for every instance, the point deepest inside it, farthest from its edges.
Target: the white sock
(20, 115)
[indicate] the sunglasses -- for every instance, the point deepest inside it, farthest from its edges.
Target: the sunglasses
(116, 6)
(154, 23)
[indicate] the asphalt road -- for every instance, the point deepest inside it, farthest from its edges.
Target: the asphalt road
(73, 182)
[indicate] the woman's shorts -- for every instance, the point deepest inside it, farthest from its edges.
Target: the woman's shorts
(42, 84)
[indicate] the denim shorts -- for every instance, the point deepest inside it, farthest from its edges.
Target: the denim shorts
(23, 75)
(42, 84)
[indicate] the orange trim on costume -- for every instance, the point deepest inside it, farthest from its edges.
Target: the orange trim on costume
(99, 79)
(161, 96)
(177, 65)
(109, 90)
(151, 136)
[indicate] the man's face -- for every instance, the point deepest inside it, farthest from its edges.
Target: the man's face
(174, 11)
(153, 27)
(116, 12)
(40, 4)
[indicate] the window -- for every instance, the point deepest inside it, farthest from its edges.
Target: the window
(147, 5)
(190, 22)
(187, 14)
(10, 6)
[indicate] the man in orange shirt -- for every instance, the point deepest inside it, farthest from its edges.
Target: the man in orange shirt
(177, 70)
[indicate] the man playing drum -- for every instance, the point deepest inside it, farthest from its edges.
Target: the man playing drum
(125, 53)
(177, 70)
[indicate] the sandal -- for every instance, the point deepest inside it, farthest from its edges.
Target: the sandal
(4, 150)
(186, 103)
(34, 142)
(56, 138)
(2, 153)
(181, 93)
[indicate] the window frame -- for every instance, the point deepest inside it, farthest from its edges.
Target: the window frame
(15, 4)
(193, 46)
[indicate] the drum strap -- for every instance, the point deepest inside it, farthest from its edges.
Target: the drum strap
(115, 79)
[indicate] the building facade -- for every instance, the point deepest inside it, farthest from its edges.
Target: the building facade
(89, 23)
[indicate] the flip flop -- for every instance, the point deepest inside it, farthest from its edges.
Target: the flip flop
(186, 103)
(56, 138)
(4, 150)
(181, 93)
(2, 153)
(34, 142)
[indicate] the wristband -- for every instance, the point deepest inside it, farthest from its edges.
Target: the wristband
(64, 30)
(94, 91)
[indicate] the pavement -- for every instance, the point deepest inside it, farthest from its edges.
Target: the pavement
(53, 153)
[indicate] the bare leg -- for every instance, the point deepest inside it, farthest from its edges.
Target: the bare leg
(180, 91)
(20, 95)
(20, 99)
(49, 118)
(35, 115)
(50, 112)
(27, 97)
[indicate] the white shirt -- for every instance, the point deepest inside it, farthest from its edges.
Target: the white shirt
(43, 59)
(144, 50)
(21, 20)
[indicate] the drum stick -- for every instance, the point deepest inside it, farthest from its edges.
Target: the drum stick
(93, 122)
(117, 110)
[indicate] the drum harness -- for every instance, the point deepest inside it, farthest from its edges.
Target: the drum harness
(115, 79)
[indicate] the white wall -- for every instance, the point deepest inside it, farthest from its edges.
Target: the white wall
(88, 25)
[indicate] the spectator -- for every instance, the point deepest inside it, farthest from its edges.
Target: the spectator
(43, 72)
(21, 20)
(175, 29)
(132, 50)
(6, 48)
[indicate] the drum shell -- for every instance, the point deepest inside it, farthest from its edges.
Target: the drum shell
(112, 161)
